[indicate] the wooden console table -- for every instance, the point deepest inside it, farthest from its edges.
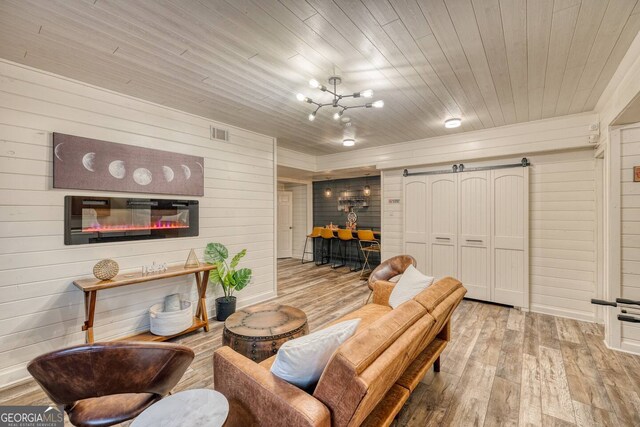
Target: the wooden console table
(90, 287)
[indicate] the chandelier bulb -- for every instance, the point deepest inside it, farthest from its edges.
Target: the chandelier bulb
(378, 104)
(367, 93)
(314, 83)
(336, 116)
(312, 116)
(300, 97)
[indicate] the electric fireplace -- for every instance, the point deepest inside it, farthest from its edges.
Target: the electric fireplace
(114, 219)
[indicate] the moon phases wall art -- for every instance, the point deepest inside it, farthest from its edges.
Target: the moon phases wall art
(91, 164)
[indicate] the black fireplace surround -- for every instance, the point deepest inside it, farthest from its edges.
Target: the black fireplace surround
(89, 219)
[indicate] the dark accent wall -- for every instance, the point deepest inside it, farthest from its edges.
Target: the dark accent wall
(325, 209)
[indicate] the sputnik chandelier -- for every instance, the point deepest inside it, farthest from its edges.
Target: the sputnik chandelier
(337, 98)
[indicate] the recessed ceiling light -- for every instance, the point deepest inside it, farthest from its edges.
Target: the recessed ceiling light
(345, 119)
(348, 142)
(452, 123)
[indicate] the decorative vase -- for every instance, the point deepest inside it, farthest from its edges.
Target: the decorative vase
(225, 307)
(106, 269)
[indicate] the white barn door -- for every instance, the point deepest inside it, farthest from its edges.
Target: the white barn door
(510, 236)
(473, 244)
(415, 222)
(443, 225)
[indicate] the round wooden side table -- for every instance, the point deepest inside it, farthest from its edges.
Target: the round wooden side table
(257, 332)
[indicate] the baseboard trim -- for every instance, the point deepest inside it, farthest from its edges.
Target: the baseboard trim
(625, 347)
(559, 312)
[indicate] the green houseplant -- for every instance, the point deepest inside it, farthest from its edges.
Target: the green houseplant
(227, 276)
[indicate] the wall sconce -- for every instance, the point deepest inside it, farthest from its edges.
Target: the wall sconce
(327, 192)
(367, 190)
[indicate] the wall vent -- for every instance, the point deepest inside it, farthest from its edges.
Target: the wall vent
(219, 134)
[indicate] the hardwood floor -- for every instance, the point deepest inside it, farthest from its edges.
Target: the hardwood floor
(502, 367)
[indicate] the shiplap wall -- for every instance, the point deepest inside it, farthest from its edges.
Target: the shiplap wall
(523, 139)
(630, 194)
(40, 309)
(392, 213)
(562, 229)
(300, 227)
(296, 159)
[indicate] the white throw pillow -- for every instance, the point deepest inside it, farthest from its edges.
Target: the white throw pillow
(410, 284)
(302, 360)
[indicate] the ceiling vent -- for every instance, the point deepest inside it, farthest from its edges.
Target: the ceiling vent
(219, 134)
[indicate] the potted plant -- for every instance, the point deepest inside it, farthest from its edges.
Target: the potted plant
(226, 276)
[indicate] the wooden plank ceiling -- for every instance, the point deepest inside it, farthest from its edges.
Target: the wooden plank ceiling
(491, 62)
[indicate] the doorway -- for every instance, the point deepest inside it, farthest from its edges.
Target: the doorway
(285, 224)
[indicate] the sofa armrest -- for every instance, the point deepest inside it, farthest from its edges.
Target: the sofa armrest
(382, 291)
(257, 397)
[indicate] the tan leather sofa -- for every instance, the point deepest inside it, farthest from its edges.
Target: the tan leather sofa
(367, 380)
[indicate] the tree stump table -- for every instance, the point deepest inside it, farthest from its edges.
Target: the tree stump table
(257, 332)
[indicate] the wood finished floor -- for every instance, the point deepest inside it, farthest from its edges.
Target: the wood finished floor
(502, 367)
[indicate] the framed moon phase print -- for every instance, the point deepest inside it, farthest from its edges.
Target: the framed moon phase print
(91, 164)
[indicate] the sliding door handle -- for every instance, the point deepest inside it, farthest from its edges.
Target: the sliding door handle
(603, 302)
(443, 238)
(474, 240)
(631, 319)
(627, 301)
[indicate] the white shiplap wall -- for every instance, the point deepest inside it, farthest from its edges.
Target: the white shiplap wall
(300, 226)
(562, 229)
(392, 214)
(630, 194)
(40, 309)
(540, 136)
(296, 159)
(563, 253)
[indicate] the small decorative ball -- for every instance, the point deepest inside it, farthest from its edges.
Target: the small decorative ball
(106, 269)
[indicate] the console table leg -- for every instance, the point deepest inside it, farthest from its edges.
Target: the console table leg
(202, 282)
(198, 286)
(90, 311)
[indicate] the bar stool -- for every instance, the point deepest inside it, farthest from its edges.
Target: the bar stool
(327, 240)
(346, 241)
(315, 233)
(368, 246)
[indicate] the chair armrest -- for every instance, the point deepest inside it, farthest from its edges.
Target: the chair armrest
(257, 397)
(382, 291)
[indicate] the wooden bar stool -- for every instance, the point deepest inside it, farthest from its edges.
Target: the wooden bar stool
(326, 252)
(368, 246)
(315, 234)
(347, 241)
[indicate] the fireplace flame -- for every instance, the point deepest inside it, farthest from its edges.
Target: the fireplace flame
(160, 225)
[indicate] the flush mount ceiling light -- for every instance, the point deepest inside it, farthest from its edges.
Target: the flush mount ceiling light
(348, 142)
(337, 98)
(452, 123)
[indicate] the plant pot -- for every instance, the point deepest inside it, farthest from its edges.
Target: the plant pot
(225, 307)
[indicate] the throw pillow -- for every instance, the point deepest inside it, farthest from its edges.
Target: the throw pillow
(302, 360)
(410, 284)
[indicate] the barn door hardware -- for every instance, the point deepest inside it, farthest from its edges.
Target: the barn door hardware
(462, 168)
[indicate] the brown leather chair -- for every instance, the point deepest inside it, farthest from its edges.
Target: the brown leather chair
(103, 384)
(390, 268)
